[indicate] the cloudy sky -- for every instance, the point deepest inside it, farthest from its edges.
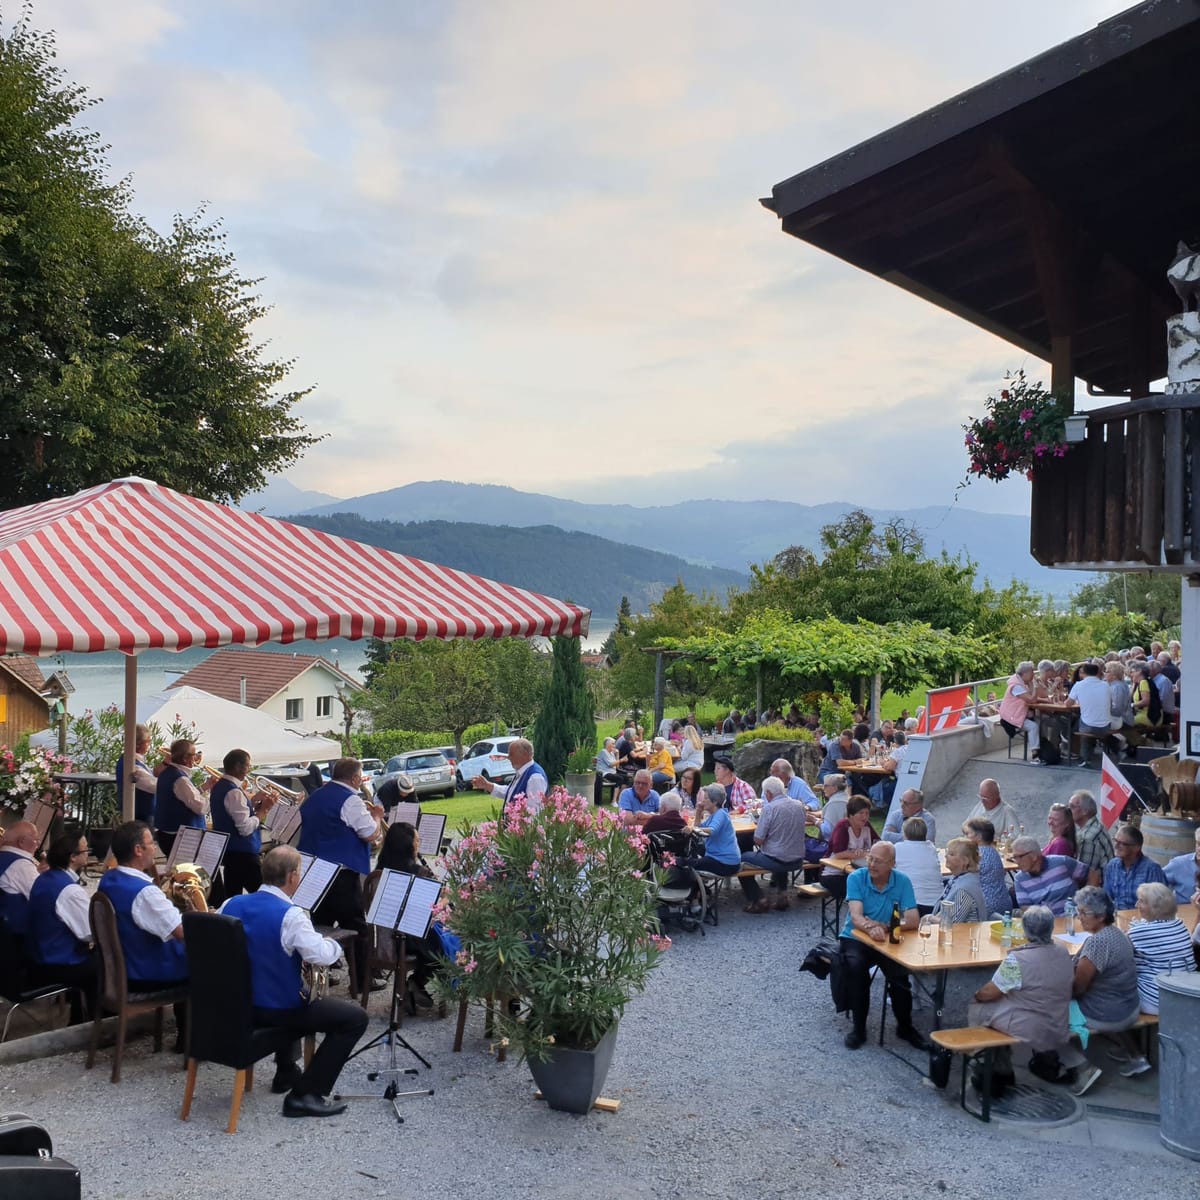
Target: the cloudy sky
(520, 242)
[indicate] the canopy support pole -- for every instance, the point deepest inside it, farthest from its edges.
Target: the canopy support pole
(659, 689)
(130, 736)
(876, 697)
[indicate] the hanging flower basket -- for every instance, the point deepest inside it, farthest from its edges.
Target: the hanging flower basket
(1023, 425)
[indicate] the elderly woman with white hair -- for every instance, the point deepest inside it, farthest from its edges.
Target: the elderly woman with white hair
(1161, 941)
(661, 765)
(1015, 714)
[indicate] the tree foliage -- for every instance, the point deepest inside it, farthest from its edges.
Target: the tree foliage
(1154, 594)
(435, 686)
(121, 351)
(566, 722)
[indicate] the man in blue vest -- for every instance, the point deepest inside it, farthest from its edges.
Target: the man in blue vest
(279, 937)
(239, 816)
(145, 785)
(149, 925)
(18, 873)
(529, 779)
(336, 824)
(57, 941)
(178, 803)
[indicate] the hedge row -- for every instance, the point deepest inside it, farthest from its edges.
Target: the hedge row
(383, 743)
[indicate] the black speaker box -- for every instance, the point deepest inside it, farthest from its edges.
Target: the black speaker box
(28, 1177)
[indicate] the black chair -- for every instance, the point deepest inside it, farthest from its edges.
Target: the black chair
(1012, 732)
(14, 978)
(221, 1013)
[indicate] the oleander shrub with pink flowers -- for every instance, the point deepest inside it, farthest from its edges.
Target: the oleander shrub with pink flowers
(557, 911)
(1021, 426)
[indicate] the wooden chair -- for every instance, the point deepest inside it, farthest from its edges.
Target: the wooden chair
(221, 1008)
(113, 989)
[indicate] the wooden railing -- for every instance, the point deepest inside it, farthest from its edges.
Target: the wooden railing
(1124, 498)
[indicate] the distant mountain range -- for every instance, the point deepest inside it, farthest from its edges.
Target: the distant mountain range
(579, 567)
(722, 533)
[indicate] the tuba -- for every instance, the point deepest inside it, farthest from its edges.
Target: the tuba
(314, 982)
(188, 887)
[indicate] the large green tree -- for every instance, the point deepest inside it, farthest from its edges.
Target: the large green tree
(122, 351)
(1156, 595)
(434, 686)
(566, 722)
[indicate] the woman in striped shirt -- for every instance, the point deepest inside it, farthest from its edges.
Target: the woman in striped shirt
(1161, 941)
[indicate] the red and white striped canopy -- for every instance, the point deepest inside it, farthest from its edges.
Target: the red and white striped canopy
(134, 566)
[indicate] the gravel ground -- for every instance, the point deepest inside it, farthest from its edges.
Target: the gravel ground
(733, 1082)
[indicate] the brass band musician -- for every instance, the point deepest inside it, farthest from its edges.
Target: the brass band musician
(240, 816)
(178, 803)
(279, 937)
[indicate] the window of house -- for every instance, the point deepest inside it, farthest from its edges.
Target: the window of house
(294, 710)
(324, 706)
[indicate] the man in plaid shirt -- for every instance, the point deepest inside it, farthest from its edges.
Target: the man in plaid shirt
(1093, 845)
(737, 791)
(1130, 868)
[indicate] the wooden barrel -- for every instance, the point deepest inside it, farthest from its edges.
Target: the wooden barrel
(1167, 837)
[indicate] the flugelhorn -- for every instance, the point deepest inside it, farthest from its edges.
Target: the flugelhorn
(258, 783)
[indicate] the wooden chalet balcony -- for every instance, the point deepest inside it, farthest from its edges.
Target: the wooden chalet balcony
(1125, 498)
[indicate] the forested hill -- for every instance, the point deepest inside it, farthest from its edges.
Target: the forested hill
(580, 567)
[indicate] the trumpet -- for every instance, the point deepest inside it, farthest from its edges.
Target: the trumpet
(259, 783)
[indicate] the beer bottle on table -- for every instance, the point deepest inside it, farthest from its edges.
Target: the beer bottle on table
(894, 925)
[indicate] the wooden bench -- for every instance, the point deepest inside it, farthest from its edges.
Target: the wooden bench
(814, 891)
(1147, 1023)
(975, 1042)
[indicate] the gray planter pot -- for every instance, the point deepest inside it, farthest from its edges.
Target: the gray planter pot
(580, 785)
(570, 1080)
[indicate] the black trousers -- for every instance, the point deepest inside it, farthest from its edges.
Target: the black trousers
(240, 872)
(343, 907)
(76, 975)
(162, 985)
(342, 1023)
(165, 841)
(857, 961)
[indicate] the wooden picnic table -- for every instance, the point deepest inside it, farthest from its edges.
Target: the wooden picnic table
(863, 766)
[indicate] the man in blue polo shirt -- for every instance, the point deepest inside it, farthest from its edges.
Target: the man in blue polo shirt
(871, 895)
(1124, 874)
(637, 804)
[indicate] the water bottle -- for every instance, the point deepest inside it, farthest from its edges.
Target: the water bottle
(1006, 932)
(947, 918)
(1070, 918)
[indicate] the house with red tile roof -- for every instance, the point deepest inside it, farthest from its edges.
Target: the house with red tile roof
(299, 689)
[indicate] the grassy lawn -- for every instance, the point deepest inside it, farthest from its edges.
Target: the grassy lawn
(466, 806)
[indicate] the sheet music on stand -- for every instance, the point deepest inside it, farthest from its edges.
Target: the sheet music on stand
(407, 812)
(429, 833)
(42, 815)
(204, 847)
(314, 883)
(283, 821)
(404, 903)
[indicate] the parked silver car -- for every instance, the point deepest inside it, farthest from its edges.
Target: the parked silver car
(428, 769)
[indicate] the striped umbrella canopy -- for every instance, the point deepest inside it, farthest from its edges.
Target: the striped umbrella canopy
(133, 566)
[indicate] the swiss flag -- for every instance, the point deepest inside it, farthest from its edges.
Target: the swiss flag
(945, 709)
(1115, 791)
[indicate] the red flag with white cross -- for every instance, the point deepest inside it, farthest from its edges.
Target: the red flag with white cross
(1115, 791)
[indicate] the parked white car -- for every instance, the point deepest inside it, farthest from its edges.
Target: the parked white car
(489, 758)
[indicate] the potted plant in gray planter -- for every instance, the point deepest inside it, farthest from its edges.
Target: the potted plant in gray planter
(581, 772)
(555, 911)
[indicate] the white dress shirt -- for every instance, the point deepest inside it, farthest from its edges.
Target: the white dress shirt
(151, 910)
(189, 795)
(356, 814)
(535, 791)
(237, 805)
(21, 875)
(71, 908)
(297, 935)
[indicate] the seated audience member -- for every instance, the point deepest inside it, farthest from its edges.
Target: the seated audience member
(837, 795)
(626, 746)
(18, 872)
(1061, 824)
(1003, 816)
(1029, 996)
(1183, 873)
(661, 765)
(1161, 941)
(59, 934)
(990, 707)
(149, 926)
(872, 893)
(779, 845)
(638, 802)
(733, 722)
(850, 839)
(912, 804)
(881, 792)
(668, 819)
(608, 763)
(1091, 696)
(1120, 702)
(792, 718)
(1015, 707)
(1131, 868)
(1049, 880)
(721, 854)
(279, 937)
(1094, 846)
(917, 858)
(993, 880)
(845, 748)
(962, 893)
(884, 733)
(691, 750)
(1146, 703)
(738, 793)
(687, 788)
(793, 784)
(1106, 978)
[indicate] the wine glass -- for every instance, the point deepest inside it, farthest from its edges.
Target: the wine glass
(925, 931)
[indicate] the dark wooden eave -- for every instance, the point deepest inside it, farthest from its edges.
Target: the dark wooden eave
(1043, 205)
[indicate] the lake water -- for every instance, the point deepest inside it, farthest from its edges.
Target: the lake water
(99, 679)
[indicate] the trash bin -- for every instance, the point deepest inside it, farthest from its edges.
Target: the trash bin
(1179, 1055)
